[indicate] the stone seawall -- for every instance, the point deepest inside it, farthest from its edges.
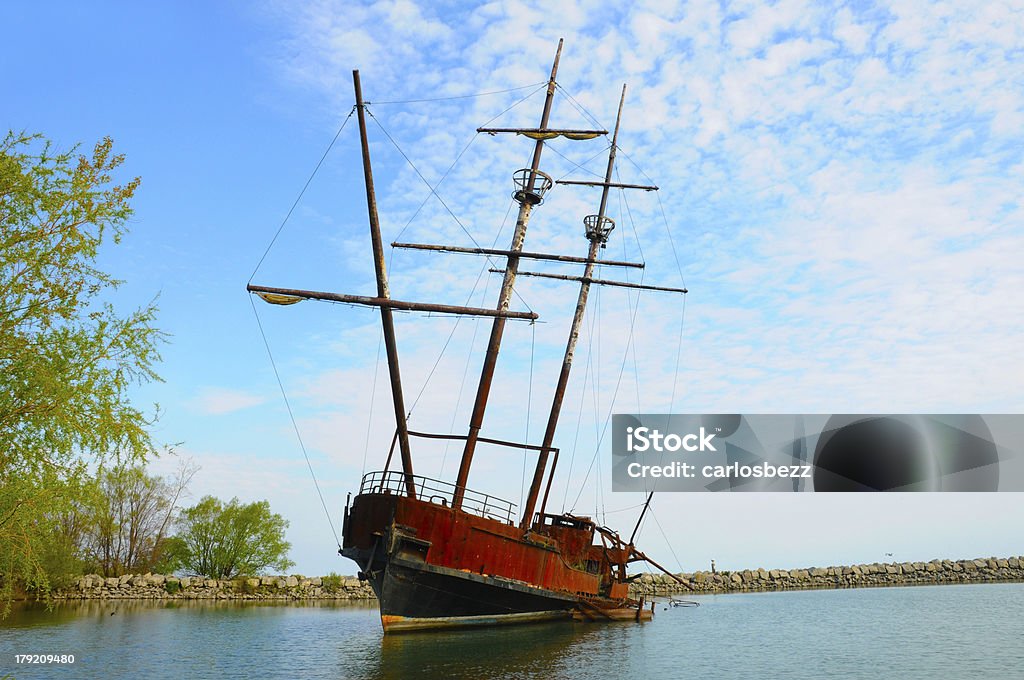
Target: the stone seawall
(157, 586)
(295, 587)
(936, 572)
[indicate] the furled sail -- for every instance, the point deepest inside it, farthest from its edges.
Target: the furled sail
(544, 134)
(551, 134)
(278, 299)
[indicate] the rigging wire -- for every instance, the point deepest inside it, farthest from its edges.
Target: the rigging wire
(664, 219)
(598, 486)
(529, 405)
(583, 399)
(472, 342)
(580, 166)
(460, 96)
(671, 242)
(579, 107)
(629, 294)
(373, 393)
(295, 425)
(625, 509)
(458, 319)
(455, 327)
(632, 223)
(679, 354)
(679, 564)
(433, 189)
(611, 406)
(462, 384)
(263, 334)
(540, 87)
(461, 153)
(301, 193)
(438, 196)
(420, 175)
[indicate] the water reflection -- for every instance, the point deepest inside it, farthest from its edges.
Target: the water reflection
(28, 614)
(511, 652)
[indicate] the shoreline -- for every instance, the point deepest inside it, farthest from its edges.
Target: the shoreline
(874, 575)
(349, 588)
(161, 587)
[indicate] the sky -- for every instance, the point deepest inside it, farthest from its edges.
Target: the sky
(839, 191)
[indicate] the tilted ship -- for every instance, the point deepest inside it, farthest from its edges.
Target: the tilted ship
(439, 554)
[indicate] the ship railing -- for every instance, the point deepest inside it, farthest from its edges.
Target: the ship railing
(440, 493)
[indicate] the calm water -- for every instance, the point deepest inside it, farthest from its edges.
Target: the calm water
(919, 632)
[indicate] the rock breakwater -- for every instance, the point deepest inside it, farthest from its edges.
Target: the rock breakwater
(334, 587)
(158, 586)
(936, 572)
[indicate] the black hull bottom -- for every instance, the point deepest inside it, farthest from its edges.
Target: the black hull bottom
(414, 595)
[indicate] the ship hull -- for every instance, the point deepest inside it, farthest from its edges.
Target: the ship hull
(433, 567)
(419, 596)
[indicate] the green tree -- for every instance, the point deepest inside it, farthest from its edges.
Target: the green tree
(171, 557)
(40, 532)
(67, 357)
(224, 540)
(129, 518)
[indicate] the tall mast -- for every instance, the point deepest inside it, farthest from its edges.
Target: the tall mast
(598, 228)
(386, 318)
(527, 199)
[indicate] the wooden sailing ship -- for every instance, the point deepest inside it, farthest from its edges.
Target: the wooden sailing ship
(439, 554)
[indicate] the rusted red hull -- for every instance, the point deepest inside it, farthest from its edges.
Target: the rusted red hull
(432, 566)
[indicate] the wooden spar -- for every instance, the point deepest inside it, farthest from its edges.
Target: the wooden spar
(486, 440)
(388, 303)
(386, 318)
(640, 519)
(612, 185)
(597, 236)
(522, 254)
(602, 282)
(498, 327)
(551, 478)
(640, 556)
(391, 451)
(542, 131)
(634, 555)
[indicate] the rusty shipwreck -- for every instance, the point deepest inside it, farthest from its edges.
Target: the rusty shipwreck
(437, 553)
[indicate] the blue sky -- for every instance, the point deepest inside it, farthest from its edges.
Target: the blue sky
(840, 185)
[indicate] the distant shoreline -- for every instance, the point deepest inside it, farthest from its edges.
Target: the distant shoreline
(877, 574)
(161, 587)
(349, 588)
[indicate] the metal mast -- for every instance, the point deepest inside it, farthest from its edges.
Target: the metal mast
(598, 227)
(528, 196)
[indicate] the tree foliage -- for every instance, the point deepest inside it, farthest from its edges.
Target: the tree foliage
(129, 518)
(221, 540)
(67, 357)
(37, 546)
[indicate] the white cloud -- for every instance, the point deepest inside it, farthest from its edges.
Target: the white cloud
(841, 184)
(854, 36)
